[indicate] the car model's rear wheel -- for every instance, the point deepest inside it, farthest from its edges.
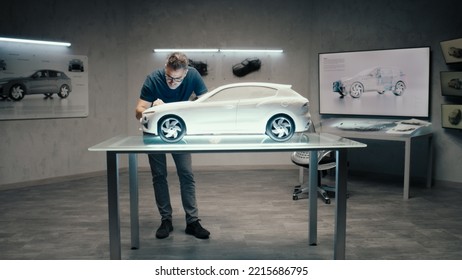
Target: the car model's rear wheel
(356, 90)
(399, 88)
(64, 91)
(17, 92)
(280, 128)
(171, 129)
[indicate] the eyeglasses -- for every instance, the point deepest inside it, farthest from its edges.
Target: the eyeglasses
(171, 79)
(174, 79)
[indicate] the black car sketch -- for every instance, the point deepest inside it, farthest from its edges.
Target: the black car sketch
(379, 79)
(455, 83)
(75, 64)
(455, 52)
(47, 82)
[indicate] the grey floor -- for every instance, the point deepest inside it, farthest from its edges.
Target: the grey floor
(251, 215)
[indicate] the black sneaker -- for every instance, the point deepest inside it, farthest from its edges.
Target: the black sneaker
(164, 230)
(197, 230)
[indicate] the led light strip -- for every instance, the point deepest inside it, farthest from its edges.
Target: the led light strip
(218, 50)
(14, 40)
(186, 50)
(254, 51)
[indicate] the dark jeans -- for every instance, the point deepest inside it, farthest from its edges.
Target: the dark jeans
(183, 165)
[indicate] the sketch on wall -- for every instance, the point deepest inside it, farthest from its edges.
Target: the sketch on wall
(452, 50)
(40, 86)
(393, 82)
(451, 116)
(451, 83)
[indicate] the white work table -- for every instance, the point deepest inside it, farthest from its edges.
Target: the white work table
(133, 145)
(332, 126)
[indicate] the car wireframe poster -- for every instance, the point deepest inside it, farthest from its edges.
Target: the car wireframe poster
(393, 82)
(40, 85)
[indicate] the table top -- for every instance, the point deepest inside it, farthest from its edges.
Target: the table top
(225, 143)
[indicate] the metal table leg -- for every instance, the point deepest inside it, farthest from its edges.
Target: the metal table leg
(313, 198)
(113, 205)
(134, 216)
(340, 205)
(407, 167)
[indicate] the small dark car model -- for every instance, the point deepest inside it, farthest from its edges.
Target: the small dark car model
(200, 66)
(76, 64)
(455, 83)
(247, 66)
(43, 81)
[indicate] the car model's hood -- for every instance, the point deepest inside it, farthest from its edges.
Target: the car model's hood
(169, 106)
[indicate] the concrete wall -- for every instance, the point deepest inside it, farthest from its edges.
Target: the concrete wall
(118, 38)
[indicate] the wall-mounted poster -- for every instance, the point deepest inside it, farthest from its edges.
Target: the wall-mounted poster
(451, 83)
(452, 50)
(451, 116)
(393, 82)
(42, 85)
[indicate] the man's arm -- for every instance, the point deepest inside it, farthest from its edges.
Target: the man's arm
(140, 107)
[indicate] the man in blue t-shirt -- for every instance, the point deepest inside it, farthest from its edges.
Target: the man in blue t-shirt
(176, 82)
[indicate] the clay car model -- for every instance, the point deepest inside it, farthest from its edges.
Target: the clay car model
(75, 64)
(44, 81)
(455, 83)
(379, 79)
(240, 108)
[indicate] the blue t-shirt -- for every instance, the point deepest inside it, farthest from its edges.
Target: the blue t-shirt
(155, 87)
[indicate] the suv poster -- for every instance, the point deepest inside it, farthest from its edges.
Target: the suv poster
(37, 84)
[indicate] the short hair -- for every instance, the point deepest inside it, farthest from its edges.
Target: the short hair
(177, 60)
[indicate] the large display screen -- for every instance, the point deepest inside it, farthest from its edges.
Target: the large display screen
(392, 82)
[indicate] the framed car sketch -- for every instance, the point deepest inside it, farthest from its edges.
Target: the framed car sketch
(451, 116)
(389, 82)
(452, 50)
(38, 84)
(451, 83)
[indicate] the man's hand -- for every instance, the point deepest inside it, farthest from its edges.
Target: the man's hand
(157, 102)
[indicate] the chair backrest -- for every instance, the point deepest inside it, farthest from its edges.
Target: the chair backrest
(325, 159)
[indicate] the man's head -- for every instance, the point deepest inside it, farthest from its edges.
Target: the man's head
(176, 69)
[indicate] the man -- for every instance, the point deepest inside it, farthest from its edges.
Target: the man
(176, 82)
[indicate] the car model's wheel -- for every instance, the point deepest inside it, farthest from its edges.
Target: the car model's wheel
(17, 92)
(280, 128)
(64, 91)
(399, 88)
(356, 90)
(171, 129)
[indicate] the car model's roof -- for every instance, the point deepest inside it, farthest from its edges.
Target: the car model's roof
(257, 84)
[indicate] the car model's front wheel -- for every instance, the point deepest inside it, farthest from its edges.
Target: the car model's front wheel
(171, 129)
(64, 91)
(399, 88)
(17, 92)
(356, 90)
(280, 128)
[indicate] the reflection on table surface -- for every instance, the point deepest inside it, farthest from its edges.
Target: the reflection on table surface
(201, 143)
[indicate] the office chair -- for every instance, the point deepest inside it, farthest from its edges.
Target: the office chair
(326, 161)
